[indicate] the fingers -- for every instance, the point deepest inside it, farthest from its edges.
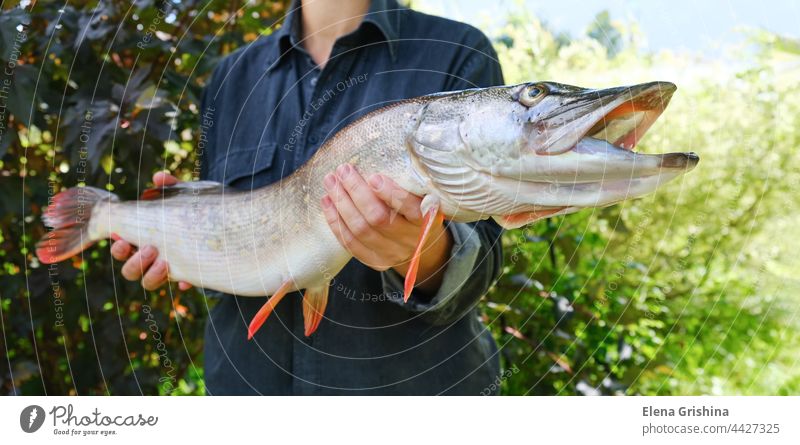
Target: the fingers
(161, 179)
(397, 198)
(135, 267)
(156, 275)
(121, 250)
(352, 218)
(374, 210)
(345, 236)
(143, 264)
(364, 222)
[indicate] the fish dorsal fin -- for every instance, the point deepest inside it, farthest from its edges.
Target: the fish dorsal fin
(185, 188)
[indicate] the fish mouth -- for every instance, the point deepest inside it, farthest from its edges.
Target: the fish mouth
(620, 116)
(627, 116)
(623, 124)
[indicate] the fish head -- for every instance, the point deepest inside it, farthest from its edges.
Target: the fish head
(546, 146)
(558, 115)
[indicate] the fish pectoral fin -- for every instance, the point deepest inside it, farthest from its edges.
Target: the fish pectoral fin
(314, 302)
(517, 220)
(185, 188)
(266, 310)
(431, 216)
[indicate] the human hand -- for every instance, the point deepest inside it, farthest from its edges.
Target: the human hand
(380, 224)
(143, 264)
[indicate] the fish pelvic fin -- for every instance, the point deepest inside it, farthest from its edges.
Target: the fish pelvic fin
(68, 214)
(265, 311)
(431, 216)
(314, 302)
(517, 220)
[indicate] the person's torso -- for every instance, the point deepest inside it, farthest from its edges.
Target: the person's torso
(271, 109)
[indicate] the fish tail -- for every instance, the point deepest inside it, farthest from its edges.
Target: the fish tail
(69, 214)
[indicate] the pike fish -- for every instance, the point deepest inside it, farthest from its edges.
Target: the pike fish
(515, 153)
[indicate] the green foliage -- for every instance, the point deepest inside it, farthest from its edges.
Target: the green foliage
(603, 31)
(691, 290)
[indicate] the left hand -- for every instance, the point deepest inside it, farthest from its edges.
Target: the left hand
(144, 264)
(380, 223)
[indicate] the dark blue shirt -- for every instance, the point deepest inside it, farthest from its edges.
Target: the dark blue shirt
(266, 111)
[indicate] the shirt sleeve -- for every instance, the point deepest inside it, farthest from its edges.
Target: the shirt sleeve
(477, 257)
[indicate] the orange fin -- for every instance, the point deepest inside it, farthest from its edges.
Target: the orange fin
(314, 301)
(432, 217)
(151, 193)
(517, 220)
(269, 306)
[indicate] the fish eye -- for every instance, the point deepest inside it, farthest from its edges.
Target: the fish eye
(532, 94)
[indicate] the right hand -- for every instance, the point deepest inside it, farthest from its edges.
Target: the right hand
(144, 263)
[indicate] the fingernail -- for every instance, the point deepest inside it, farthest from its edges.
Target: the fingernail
(330, 180)
(149, 252)
(376, 181)
(326, 201)
(344, 170)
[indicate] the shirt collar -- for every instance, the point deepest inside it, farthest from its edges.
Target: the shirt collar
(382, 14)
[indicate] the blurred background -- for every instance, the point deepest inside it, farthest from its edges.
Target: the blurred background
(693, 290)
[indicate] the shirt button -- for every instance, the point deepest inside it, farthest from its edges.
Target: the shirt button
(313, 81)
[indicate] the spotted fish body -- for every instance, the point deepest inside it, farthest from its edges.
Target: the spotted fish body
(514, 153)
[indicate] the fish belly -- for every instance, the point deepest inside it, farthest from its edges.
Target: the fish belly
(230, 252)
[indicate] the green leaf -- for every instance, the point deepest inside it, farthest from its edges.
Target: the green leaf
(22, 98)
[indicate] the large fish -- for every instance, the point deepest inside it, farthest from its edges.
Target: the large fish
(513, 153)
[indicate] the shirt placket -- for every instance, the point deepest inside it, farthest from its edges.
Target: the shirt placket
(322, 83)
